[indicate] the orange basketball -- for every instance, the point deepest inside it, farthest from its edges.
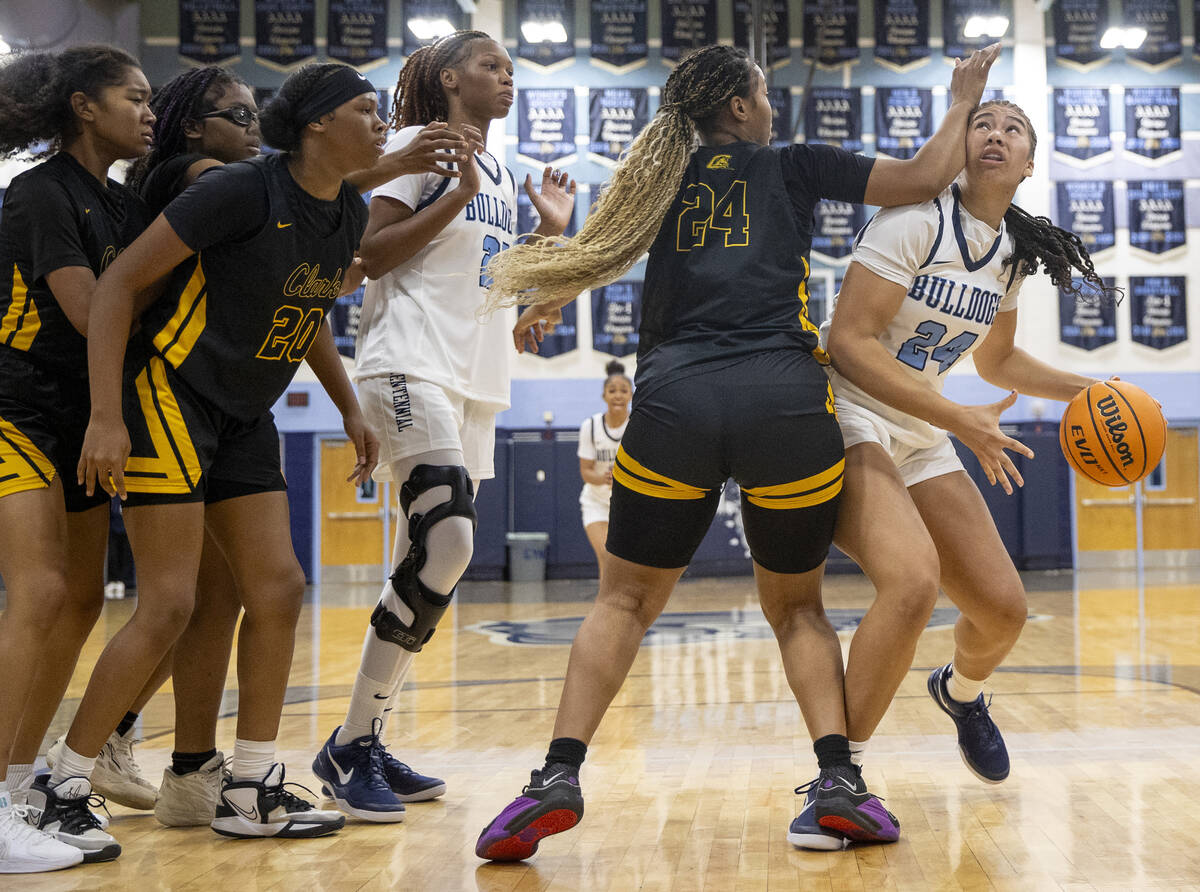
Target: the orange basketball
(1113, 433)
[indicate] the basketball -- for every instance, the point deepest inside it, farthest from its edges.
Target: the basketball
(1113, 433)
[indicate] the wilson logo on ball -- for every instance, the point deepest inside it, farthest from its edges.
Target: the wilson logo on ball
(1113, 433)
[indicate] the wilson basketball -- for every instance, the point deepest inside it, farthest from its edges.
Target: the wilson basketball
(1113, 433)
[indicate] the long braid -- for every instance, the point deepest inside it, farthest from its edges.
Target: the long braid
(419, 97)
(1037, 241)
(626, 218)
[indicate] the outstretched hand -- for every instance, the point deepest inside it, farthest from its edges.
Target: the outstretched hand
(554, 201)
(971, 74)
(979, 430)
(435, 146)
(533, 325)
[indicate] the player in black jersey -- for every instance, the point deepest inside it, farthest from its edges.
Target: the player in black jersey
(64, 221)
(255, 252)
(727, 385)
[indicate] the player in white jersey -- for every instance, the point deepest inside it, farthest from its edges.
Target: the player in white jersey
(431, 378)
(599, 439)
(929, 284)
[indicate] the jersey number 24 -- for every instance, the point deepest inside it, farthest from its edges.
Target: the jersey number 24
(926, 345)
(703, 212)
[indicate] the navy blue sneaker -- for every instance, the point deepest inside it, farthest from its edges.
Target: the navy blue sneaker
(806, 833)
(352, 776)
(408, 785)
(979, 741)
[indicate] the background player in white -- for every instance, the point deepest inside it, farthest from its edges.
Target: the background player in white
(431, 378)
(928, 284)
(599, 437)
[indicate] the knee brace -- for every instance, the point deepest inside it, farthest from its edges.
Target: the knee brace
(427, 606)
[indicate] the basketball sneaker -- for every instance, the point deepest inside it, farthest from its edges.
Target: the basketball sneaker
(979, 740)
(249, 809)
(190, 800)
(806, 833)
(24, 849)
(408, 785)
(64, 812)
(551, 803)
(352, 776)
(117, 775)
(842, 802)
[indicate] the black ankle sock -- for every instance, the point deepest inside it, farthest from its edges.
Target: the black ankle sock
(186, 763)
(566, 751)
(127, 723)
(831, 750)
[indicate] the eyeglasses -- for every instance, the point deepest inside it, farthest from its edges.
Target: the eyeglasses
(238, 114)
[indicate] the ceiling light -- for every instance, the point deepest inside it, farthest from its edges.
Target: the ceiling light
(430, 29)
(985, 26)
(1130, 38)
(544, 32)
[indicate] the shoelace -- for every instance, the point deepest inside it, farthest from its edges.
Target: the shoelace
(805, 789)
(76, 814)
(126, 756)
(977, 710)
(22, 829)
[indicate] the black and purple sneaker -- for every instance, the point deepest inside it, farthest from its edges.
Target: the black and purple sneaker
(844, 804)
(552, 803)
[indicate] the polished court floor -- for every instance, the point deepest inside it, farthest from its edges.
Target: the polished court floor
(689, 781)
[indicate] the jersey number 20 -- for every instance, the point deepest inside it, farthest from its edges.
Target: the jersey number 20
(917, 351)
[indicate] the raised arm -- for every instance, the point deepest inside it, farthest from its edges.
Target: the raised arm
(432, 148)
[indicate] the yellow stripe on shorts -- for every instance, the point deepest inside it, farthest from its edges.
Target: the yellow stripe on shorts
(165, 471)
(803, 493)
(22, 465)
(632, 475)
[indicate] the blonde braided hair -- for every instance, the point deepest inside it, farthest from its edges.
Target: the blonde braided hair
(552, 272)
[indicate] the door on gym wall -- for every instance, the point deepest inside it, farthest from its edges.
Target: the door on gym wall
(352, 517)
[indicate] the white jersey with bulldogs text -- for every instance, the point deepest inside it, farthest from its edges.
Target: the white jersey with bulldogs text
(952, 267)
(599, 442)
(419, 318)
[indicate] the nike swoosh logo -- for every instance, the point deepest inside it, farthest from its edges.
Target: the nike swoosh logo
(548, 781)
(343, 776)
(380, 696)
(282, 225)
(251, 815)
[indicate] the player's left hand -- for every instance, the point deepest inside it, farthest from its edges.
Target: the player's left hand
(366, 447)
(533, 325)
(554, 201)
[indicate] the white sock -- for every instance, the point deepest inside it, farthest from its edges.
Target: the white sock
(252, 759)
(857, 749)
(961, 688)
(397, 687)
(18, 776)
(368, 701)
(71, 764)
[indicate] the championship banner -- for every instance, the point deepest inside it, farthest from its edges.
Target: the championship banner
(209, 31)
(687, 25)
(781, 115)
(830, 32)
(616, 315)
(902, 33)
(1085, 207)
(1082, 124)
(546, 53)
(903, 120)
(1087, 320)
(954, 18)
(430, 10)
(619, 34)
(285, 33)
(836, 225)
(1078, 27)
(1156, 215)
(1158, 310)
(833, 115)
(343, 319)
(615, 115)
(775, 24)
(1160, 18)
(546, 125)
(527, 215)
(1152, 121)
(565, 336)
(358, 32)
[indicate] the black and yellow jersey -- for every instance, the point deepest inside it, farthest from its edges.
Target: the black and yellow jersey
(728, 270)
(57, 215)
(237, 318)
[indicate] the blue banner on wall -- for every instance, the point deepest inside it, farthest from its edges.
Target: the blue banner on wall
(1160, 18)
(1156, 215)
(782, 121)
(546, 53)
(901, 33)
(546, 125)
(833, 115)
(429, 10)
(615, 116)
(954, 18)
(208, 31)
(1158, 310)
(1078, 27)
(903, 120)
(830, 32)
(285, 33)
(565, 337)
(1085, 207)
(836, 225)
(344, 319)
(687, 25)
(616, 315)
(1152, 121)
(1082, 124)
(619, 34)
(1087, 320)
(358, 32)
(775, 25)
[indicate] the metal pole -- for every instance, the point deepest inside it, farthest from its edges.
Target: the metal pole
(758, 35)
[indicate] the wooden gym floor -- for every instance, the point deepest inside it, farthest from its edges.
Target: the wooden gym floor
(689, 781)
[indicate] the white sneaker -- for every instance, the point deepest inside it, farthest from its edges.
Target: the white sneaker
(190, 800)
(117, 775)
(250, 809)
(63, 811)
(24, 849)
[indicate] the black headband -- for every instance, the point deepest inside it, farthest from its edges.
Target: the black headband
(341, 86)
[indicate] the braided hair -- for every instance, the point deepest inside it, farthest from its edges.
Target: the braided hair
(36, 90)
(419, 97)
(1037, 242)
(181, 100)
(624, 221)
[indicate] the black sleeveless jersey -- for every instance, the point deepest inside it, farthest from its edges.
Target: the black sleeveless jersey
(237, 318)
(57, 215)
(728, 270)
